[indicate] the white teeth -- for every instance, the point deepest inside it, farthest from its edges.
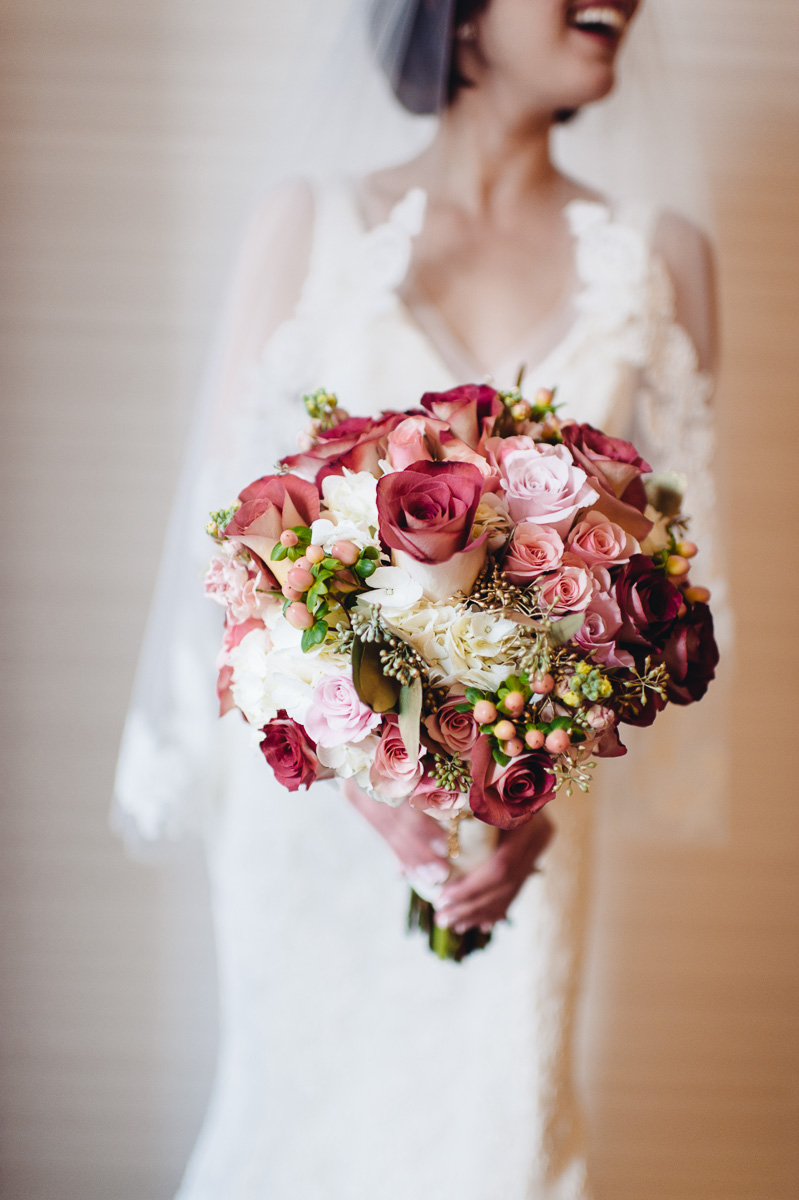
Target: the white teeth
(599, 15)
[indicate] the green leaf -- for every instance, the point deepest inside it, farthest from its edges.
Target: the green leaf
(330, 564)
(380, 692)
(313, 636)
(410, 715)
(564, 630)
(473, 695)
(499, 757)
(279, 552)
(315, 593)
(302, 532)
(559, 723)
(463, 708)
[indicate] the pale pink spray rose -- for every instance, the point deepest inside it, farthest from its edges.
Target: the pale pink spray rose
(534, 550)
(541, 482)
(392, 774)
(599, 542)
(230, 583)
(568, 589)
(337, 715)
(436, 801)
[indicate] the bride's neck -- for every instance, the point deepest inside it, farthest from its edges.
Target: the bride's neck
(488, 163)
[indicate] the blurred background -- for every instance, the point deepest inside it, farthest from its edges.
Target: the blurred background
(131, 137)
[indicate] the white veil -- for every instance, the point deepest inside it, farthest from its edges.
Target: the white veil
(339, 118)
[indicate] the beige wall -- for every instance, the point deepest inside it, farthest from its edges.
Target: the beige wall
(127, 137)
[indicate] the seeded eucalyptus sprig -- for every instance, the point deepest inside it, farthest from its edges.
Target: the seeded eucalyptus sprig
(452, 774)
(321, 407)
(220, 520)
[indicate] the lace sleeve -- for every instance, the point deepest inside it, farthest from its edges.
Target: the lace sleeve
(169, 764)
(677, 773)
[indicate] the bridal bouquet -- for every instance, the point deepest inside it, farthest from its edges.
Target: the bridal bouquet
(458, 607)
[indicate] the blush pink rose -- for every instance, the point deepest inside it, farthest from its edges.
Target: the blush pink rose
(599, 542)
(599, 630)
(290, 753)
(232, 636)
(392, 774)
(337, 715)
(416, 439)
(534, 550)
(431, 798)
(569, 589)
(541, 482)
(455, 731)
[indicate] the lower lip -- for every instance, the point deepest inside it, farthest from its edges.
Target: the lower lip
(609, 39)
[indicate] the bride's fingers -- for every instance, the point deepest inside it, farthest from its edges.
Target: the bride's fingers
(488, 906)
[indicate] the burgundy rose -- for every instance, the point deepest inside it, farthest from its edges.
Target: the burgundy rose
(617, 467)
(455, 731)
(356, 444)
(470, 411)
(268, 506)
(691, 656)
(509, 796)
(428, 509)
(648, 603)
(290, 753)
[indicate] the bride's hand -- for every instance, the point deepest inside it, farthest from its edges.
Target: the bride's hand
(483, 897)
(415, 838)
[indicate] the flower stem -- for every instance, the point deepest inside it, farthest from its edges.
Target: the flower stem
(445, 943)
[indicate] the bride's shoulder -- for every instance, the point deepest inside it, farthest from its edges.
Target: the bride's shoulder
(687, 254)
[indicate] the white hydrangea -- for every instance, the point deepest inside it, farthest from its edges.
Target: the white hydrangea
(266, 680)
(425, 627)
(351, 761)
(479, 649)
(352, 497)
(326, 533)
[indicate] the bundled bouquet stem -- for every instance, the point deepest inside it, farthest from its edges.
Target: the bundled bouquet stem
(457, 607)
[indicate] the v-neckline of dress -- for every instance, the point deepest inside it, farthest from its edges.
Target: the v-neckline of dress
(433, 328)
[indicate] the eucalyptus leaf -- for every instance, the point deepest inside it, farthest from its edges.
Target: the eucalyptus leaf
(564, 630)
(378, 691)
(410, 715)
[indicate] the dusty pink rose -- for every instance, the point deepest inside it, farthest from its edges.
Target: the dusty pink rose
(431, 798)
(599, 542)
(392, 774)
(568, 589)
(470, 411)
(541, 482)
(509, 796)
(428, 509)
(455, 731)
(337, 715)
(268, 506)
(534, 550)
(599, 630)
(615, 467)
(290, 753)
(357, 444)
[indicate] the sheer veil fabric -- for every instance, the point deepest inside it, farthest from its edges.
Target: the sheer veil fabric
(353, 1065)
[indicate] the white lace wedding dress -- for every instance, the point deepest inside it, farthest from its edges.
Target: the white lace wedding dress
(353, 1064)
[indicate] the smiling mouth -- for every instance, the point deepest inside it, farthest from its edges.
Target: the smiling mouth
(599, 20)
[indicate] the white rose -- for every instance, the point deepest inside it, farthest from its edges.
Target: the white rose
(351, 761)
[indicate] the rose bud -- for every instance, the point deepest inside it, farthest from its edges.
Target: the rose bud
(346, 552)
(542, 685)
(291, 593)
(697, 595)
(558, 741)
(513, 747)
(677, 565)
(298, 616)
(299, 578)
(534, 738)
(514, 703)
(485, 712)
(315, 554)
(681, 611)
(687, 549)
(288, 538)
(504, 730)
(543, 397)
(521, 410)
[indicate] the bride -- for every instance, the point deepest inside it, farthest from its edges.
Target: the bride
(352, 1063)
